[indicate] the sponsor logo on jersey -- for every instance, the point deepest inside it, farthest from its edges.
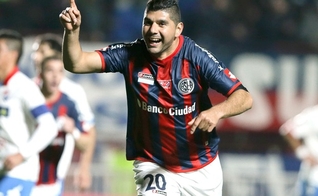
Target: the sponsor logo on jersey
(166, 84)
(113, 47)
(208, 53)
(175, 111)
(5, 95)
(145, 78)
(186, 86)
(159, 192)
(4, 111)
(229, 74)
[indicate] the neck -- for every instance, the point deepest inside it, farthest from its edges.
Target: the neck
(50, 96)
(4, 73)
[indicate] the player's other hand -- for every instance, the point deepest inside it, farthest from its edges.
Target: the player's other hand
(206, 120)
(12, 161)
(69, 124)
(70, 18)
(83, 180)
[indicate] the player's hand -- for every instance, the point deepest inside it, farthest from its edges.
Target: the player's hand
(83, 180)
(311, 160)
(12, 161)
(206, 121)
(70, 18)
(69, 124)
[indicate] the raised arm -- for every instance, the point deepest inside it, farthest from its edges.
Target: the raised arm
(74, 58)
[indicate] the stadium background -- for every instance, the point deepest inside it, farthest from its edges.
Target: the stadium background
(271, 45)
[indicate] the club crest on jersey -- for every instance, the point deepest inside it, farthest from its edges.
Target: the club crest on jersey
(186, 86)
(145, 78)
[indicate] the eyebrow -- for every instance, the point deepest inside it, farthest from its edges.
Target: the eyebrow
(146, 19)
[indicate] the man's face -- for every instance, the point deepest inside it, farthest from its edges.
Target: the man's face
(160, 33)
(41, 52)
(7, 58)
(52, 74)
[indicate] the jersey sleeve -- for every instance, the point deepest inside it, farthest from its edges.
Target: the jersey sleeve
(115, 57)
(34, 101)
(46, 128)
(73, 113)
(217, 75)
(78, 95)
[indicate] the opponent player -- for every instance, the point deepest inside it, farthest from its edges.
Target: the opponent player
(301, 132)
(26, 125)
(171, 132)
(56, 158)
(49, 44)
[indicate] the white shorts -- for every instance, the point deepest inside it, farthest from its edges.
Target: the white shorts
(54, 189)
(151, 179)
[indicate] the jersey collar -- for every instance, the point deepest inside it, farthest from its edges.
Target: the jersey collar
(163, 62)
(9, 76)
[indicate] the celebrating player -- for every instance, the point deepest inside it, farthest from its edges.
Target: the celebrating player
(171, 133)
(26, 125)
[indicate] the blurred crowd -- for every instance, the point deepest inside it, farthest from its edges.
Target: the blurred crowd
(241, 25)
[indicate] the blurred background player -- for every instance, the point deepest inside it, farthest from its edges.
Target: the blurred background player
(49, 44)
(26, 125)
(301, 132)
(56, 158)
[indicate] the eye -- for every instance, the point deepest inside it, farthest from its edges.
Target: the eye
(147, 22)
(162, 23)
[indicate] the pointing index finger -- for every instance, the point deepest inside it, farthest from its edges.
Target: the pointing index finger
(73, 4)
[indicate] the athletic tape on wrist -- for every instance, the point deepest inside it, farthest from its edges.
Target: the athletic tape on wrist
(302, 152)
(76, 134)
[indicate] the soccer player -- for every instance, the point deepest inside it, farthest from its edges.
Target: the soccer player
(56, 158)
(26, 124)
(301, 132)
(49, 44)
(171, 132)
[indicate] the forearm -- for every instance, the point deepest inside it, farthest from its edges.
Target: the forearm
(75, 59)
(71, 49)
(82, 140)
(237, 103)
(88, 154)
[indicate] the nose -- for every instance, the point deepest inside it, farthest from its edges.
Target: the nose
(153, 28)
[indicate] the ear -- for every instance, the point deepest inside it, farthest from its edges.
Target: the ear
(179, 29)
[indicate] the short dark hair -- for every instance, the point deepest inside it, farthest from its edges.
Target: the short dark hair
(53, 40)
(171, 6)
(14, 41)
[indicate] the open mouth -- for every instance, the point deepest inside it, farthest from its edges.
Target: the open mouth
(154, 41)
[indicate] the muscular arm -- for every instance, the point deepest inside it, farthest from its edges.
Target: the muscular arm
(75, 60)
(237, 103)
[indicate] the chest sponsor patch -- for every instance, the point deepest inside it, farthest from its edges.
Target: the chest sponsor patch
(145, 78)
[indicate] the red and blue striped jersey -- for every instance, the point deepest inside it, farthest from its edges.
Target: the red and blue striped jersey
(163, 96)
(50, 157)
